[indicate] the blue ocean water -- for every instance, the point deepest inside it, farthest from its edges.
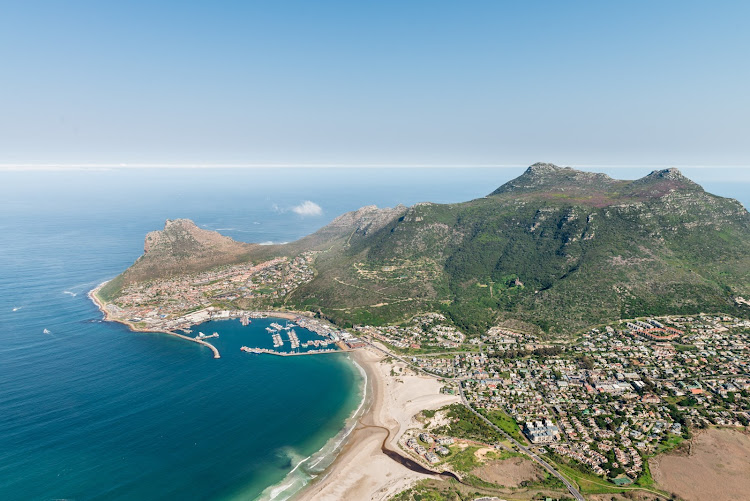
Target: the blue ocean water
(90, 410)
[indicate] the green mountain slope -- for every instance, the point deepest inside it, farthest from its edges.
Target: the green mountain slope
(557, 248)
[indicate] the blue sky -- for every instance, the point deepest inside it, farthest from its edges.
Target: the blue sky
(386, 82)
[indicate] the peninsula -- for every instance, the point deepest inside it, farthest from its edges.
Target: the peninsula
(556, 337)
(554, 251)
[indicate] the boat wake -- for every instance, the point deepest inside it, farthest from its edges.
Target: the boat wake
(70, 293)
(16, 308)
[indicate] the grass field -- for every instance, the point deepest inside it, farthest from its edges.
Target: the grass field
(505, 423)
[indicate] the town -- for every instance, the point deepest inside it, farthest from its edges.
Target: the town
(603, 404)
(178, 303)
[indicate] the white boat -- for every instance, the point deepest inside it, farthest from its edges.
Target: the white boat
(46, 331)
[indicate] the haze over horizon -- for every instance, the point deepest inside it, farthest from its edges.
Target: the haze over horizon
(435, 83)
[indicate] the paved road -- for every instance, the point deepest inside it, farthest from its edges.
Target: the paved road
(577, 495)
(573, 491)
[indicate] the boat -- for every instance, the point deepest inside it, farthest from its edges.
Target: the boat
(46, 331)
(293, 339)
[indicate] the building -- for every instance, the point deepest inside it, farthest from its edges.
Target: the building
(354, 342)
(426, 438)
(539, 432)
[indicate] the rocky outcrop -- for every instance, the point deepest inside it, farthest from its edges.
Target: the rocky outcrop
(183, 238)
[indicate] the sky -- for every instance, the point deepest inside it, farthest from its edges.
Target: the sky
(375, 82)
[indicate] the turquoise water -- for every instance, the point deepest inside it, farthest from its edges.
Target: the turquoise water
(93, 411)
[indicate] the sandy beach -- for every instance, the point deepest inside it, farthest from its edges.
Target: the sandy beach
(362, 471)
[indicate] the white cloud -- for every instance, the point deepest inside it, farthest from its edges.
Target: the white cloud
(308, 208)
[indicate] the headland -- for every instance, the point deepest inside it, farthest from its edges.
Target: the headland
(136, 328)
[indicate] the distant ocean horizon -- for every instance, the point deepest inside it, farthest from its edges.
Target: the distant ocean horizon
(92, 410)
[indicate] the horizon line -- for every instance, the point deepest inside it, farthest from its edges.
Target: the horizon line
(118, 166)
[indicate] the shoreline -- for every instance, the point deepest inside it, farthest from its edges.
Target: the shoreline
(92, 294)
(367, 462)
(316, 465)
(370, 464)
(285, 315)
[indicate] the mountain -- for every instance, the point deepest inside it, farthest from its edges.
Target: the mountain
(555, 249)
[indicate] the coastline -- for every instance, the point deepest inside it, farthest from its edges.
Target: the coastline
(365, 459)
(286, 315)
(92, 294)
(367, 467)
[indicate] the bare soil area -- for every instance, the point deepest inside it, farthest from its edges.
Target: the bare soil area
(509, 472)
(715, 466)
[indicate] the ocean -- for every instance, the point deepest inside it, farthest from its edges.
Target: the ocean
(90, 410)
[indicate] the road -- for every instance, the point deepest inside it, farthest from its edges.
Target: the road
(573, 491)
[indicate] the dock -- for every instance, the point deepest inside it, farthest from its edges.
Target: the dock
(266, 351)
(199, 341)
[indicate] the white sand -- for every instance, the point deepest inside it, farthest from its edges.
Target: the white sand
(362, 471)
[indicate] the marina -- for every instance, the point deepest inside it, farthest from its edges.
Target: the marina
(259, 351)
(293, 339)
(305, 335)
(277, 341)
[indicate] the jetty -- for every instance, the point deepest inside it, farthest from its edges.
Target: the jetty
(204, 336)
(259, 351)
(293, 339)
(197, 340)
(92, 295)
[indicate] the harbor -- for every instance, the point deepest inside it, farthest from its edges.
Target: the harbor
(266, 351)
(290, 335)
(329, 335)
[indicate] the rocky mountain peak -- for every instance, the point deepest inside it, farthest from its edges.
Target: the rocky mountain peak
(179, 235)
(671, 173)
(542, 168)
(546, 177)
(666, 179)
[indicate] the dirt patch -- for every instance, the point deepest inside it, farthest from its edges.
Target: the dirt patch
(509, 472)
(440, 419)
(716, 467)
(481, 454)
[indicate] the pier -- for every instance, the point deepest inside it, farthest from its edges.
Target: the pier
(259, 351)
(199, 341)
(204, 336)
